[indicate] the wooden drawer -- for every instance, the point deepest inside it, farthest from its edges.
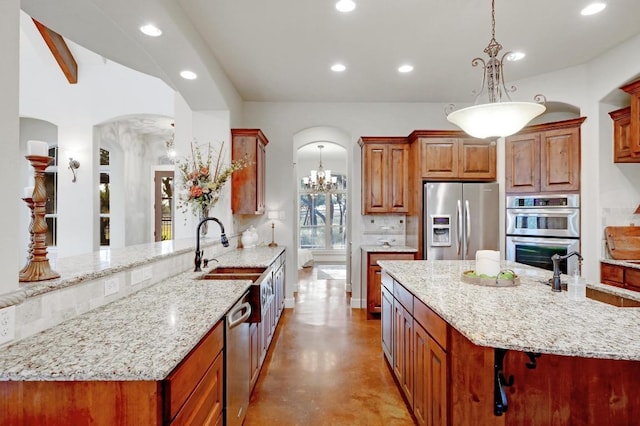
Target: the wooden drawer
(183, 380)
(403, 296)
(204, 406)
(374, 257)
(612, 274)
(432, 323)
(387, 281)
(632, 278)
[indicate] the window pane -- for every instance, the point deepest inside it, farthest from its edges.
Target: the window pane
(53, 152)
(312, 221)
(104, 157)
(51, 186)
(104, 193)
(52, 222)
(338, 221)
(104, 231)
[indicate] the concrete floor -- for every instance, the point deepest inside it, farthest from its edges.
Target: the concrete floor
(325, 365)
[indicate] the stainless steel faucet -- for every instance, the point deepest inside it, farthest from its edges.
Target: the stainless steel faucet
(223, 240)
(556, 284)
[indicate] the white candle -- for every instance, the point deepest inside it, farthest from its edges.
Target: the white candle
(38, 148)
(28, 191)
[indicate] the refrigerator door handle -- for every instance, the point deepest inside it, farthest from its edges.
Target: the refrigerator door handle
(467, 227)
(459, 226)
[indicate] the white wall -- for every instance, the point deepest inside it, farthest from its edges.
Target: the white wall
(104, 90)
(9, 125)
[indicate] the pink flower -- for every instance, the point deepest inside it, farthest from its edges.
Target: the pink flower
(195, 191)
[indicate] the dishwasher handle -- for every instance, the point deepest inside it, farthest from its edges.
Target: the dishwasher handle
(232, 323)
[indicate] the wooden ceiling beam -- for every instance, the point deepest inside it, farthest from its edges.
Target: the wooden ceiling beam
(60, 52)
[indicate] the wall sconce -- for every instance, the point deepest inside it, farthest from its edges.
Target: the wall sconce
(73, 166)
(273, 215)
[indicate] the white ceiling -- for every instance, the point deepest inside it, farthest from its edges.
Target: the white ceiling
(281, 50)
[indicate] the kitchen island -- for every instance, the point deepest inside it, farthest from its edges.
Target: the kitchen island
(112, 365)
(572, 362)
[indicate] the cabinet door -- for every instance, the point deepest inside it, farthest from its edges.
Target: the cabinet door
(612, 274)
(634, 129)
(622, 136)
(387, 325)
(374, 178)
(439, 158)
(403, 349)
(477, 159)
(374, 284)
(436, 380)
(421, 380)
(560, 160)
(248, 184)
(398, 185)
(632, 279)
(255, 350)
(522, 163)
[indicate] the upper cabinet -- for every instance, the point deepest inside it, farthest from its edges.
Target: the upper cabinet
(544, 158)
(622, 151)
(459, 159)
(248, 184)
(385, 175)
(626, 127)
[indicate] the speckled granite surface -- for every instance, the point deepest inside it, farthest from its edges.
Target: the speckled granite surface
(528, 317)
(141, 337)
(628, 263)
(388, 249)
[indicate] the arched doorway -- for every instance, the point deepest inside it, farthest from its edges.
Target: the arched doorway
(322, 217)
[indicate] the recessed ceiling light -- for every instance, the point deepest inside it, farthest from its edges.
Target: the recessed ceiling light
(515, 56)
(345, 5)
(338, 67)
(405, 68)
(593, 8)
(151, 30)
(188, 75)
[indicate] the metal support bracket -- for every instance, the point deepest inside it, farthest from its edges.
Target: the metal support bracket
(500, 404)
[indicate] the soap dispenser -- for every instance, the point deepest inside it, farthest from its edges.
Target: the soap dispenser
(577, 286)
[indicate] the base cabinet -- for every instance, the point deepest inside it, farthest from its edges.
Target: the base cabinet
(620, 276)
(372, 277)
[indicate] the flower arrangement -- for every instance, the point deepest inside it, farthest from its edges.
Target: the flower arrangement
(201, 183)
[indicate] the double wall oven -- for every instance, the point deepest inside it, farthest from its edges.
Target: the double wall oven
(539, 226)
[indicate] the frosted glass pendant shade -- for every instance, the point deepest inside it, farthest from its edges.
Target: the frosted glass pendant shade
(497, 119)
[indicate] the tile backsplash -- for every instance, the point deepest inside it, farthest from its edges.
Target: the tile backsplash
(377, 228)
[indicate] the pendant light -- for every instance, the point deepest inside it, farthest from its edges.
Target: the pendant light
(498, 116)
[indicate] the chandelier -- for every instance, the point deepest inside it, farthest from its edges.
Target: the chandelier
(495, 118)
(320, 180)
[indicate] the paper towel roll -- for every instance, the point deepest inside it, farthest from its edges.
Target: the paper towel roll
(488, 262)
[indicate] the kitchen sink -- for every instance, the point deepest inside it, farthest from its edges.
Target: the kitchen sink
(611, 299)
(234, 273)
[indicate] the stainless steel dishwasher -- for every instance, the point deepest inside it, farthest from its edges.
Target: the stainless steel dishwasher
(237, 361)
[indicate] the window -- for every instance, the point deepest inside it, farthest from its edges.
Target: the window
(104, 198)
(323, 217)
(51, 207)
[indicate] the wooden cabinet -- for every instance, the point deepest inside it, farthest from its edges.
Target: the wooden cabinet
(385, 175)
(458, 159)
(249, 184)
(622, 136)
(620, 276)
(372, 277)
(271, 301)
(633, 89)
(544, 158)
(403, 340)
(417, 353)
(191, 394)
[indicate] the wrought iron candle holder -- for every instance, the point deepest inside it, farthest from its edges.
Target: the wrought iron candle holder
(37, 267)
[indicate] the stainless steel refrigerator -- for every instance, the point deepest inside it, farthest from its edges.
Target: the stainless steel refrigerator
(460, 219)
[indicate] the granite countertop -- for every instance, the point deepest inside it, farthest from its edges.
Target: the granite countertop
(529, 317)
(626, 263)
(387, 249)
(140, 337)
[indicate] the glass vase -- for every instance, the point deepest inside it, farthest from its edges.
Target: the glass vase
(204, 212)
